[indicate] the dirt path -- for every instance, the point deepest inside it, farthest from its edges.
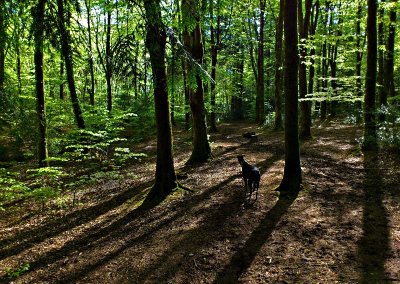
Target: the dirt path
(344, 226)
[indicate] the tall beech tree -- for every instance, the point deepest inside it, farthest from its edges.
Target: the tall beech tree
(67, 55)
(382, 96)
(370, 138)
(260, 82)
(165, 180)
(292, 172)
(108, 58)
(3, 40)
(90, 53)
(215, 42)
(313, 28)
(38, 31)
(304, 24)
(278, 67)
(359, 52)
(193, 42)
(389, 65)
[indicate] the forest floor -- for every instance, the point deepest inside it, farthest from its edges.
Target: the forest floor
(343, 226)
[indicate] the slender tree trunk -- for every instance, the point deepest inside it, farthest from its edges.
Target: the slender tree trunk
(389, 65)
(323, 110)
(370, 139)
(313, 28)
(62, 79)
(305, 114)
(165, 180)
(260, 112)
(109, 61)
(3, 40)
(381, 62)
(215, 43)
(17, 45)
(38, 37)
(292, 172)
(278, 68)
(237, 98)
(186, 89)
(91, 60)
(193, 42)
(358, 55)
(67, 54)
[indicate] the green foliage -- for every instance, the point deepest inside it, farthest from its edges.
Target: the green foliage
(10, 188)
(389, 131)
(15, 273)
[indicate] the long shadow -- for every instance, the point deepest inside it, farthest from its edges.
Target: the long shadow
(84, 270)
(115, 229)
(243, 258)
(373, 247)
(30, 237)
(85, 243)
(197, 238)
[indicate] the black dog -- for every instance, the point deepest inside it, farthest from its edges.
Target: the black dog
(251, 176)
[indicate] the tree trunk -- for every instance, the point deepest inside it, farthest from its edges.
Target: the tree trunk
(66, 52)
(305, 114)
(165, 180)
(323, 110)
(193, 43)
(370, 139)
(381, 62)
(389, 65)
(237, 98)
(278, 68)
(38, 37)
(109, 60)
(91, 60)
(18, 49)
(260, 112)
(292, 172)
(215, 43)
(358, 56)
(3, 40)
(313, 27)
(61, 79)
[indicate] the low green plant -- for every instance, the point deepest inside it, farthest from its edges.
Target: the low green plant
(15, 273)
(10, 188)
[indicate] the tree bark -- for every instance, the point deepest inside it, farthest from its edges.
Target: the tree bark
(305, 114)
(215, 44)
(292, 172)
(193, 43)
(381, 64)
(67, 54)
(323, 110)
(358, 56)
(237, 98)
(91, 60)
(260, 111)
(389, 65)
(109, 60)
(165, 180)
(370, 138)
(62, 80)
(313, 28)
(38, 58)
(3, 40)
(278, 68)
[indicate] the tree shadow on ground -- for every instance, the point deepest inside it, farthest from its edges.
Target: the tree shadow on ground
(373, 247)
(122, 228)
(30, 237)
(243, 258)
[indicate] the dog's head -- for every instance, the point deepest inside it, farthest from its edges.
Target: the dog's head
(240, 159)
